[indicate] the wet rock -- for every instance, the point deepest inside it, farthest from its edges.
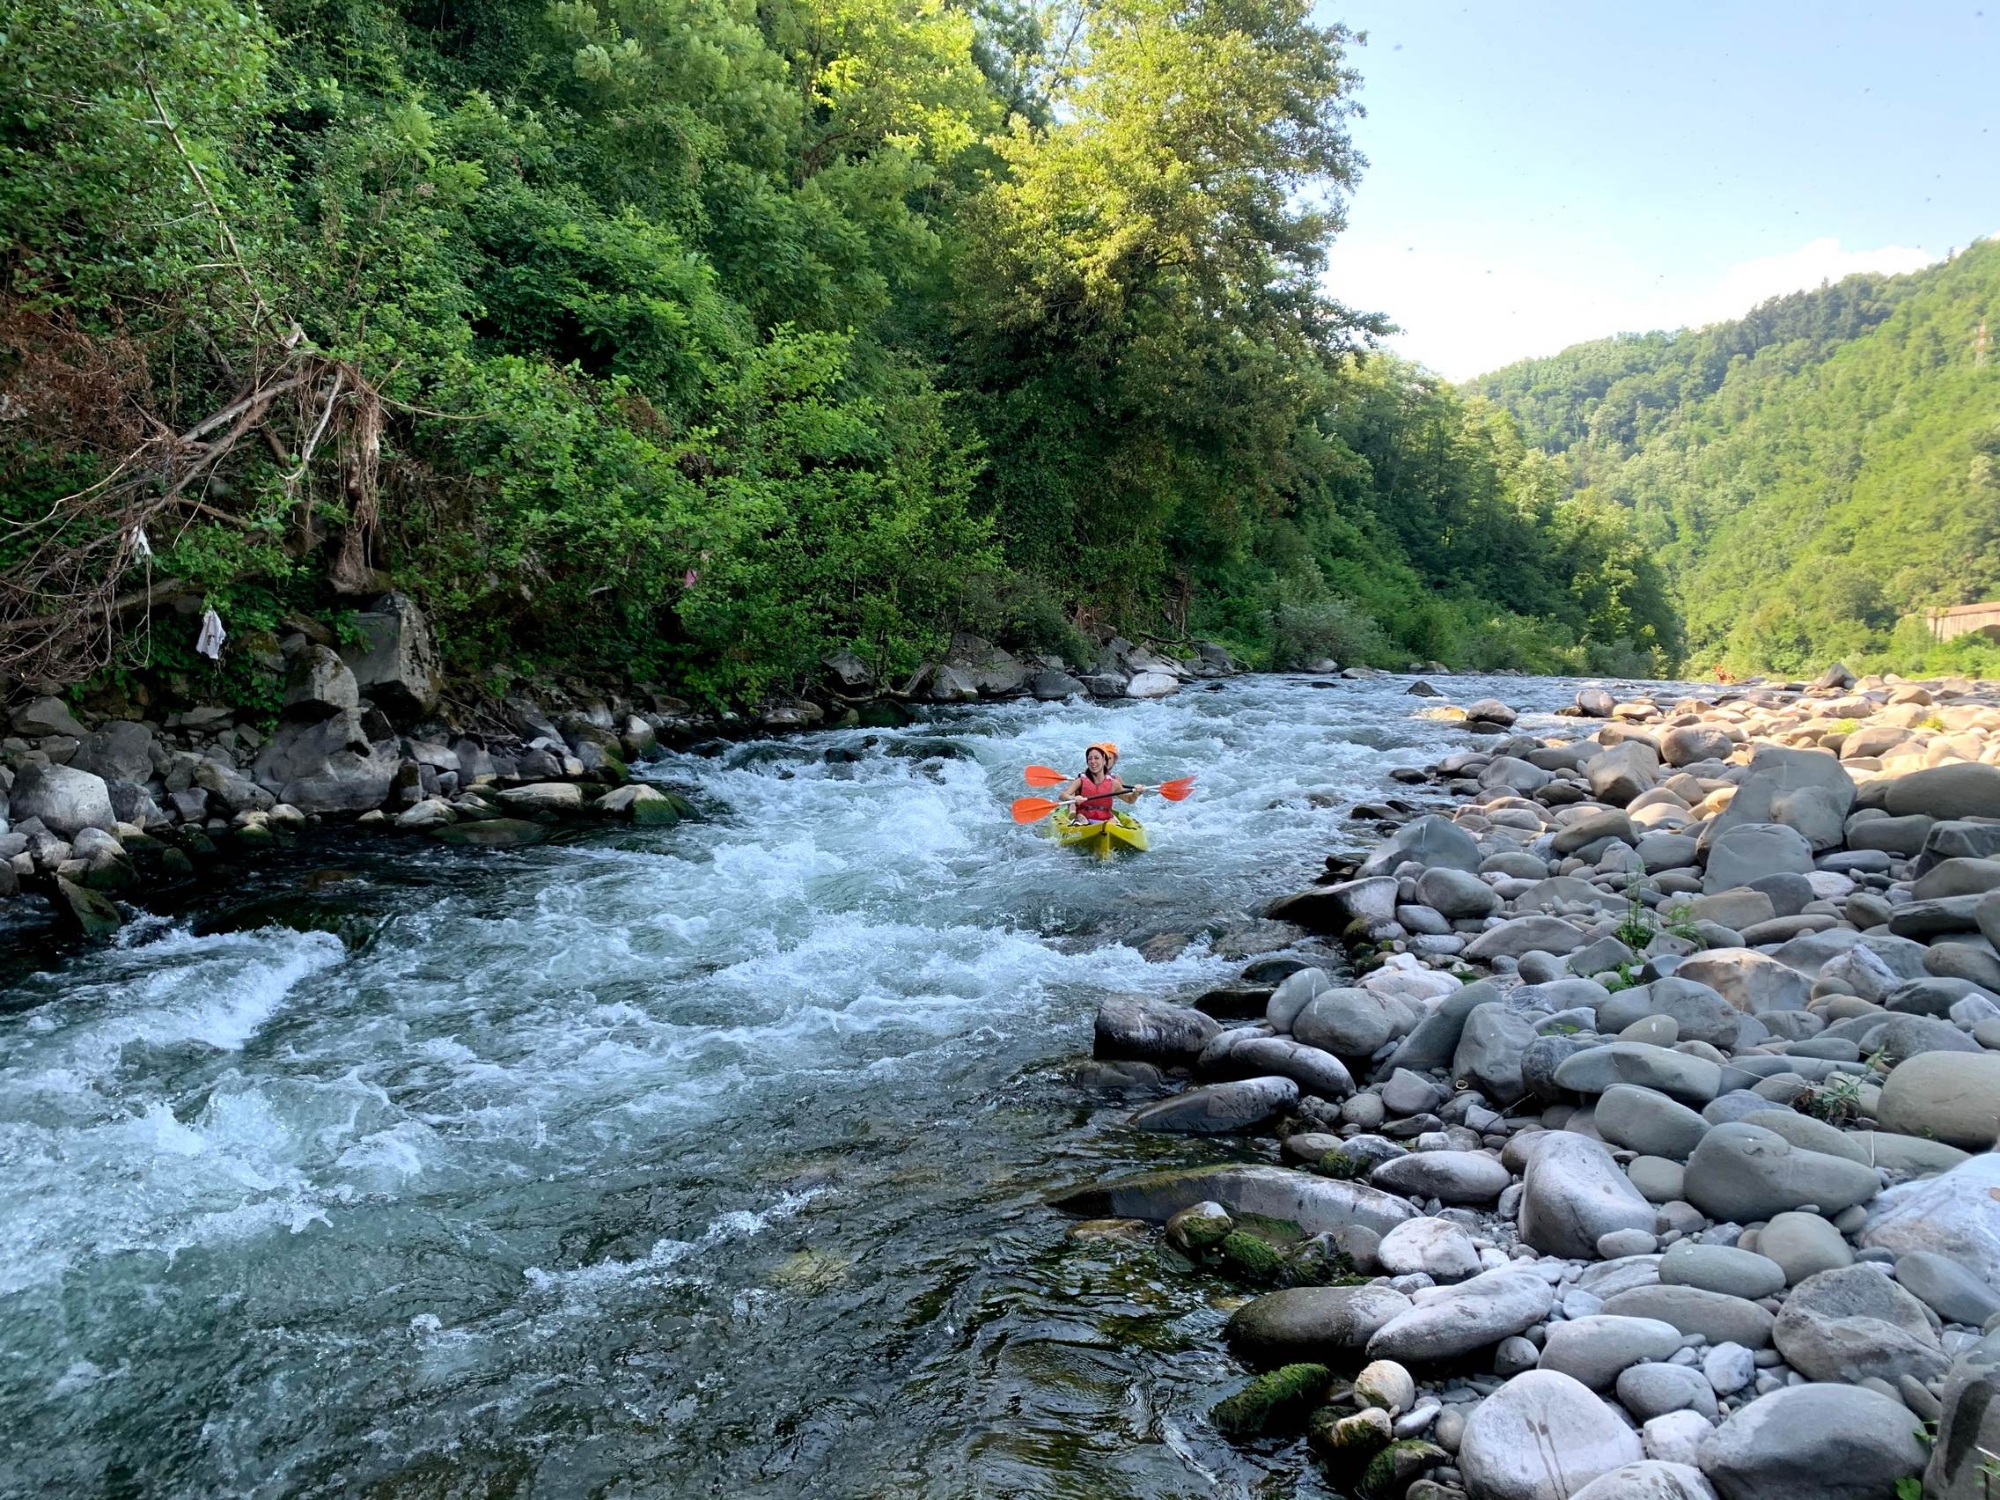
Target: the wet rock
(1574, 1193)
(543, 797)
(1220, 1108)
(1469, 1316)
(644, 806)
(65, 799)
(1950, 1096)
(1311, 1322)
(493, 833)
(86, 911)
(1278, 1402)
(1347, 1022)
(1542, 1436)
(1317, 1205)
(1149, 1030)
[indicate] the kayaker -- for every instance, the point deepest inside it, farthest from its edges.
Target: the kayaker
(1098, 787)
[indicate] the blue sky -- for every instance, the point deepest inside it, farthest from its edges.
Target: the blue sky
(1545, 173)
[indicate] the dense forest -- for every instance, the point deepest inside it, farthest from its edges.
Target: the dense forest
(1812, 477)
(688, 340)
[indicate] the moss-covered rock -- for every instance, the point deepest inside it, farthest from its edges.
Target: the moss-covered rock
(1275, 1403)
(86, 911)
(1251, 1259)
(1201, 1227)
(493, 833)
(1391, 1471)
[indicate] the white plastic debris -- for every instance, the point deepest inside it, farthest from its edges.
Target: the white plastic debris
(209, 642)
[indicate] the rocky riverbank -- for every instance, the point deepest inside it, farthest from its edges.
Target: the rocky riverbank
(113, 800)
(1635, 1137)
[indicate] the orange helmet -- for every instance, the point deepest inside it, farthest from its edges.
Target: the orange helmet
(1110, 750)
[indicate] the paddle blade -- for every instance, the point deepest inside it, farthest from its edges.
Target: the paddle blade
(1177, 791)
(1033, 809)
(1043, 776)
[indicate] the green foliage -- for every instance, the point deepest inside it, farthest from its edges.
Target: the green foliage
(713, 335)
(1812, 476)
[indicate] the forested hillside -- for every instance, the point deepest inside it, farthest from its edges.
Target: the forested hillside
(1813, 476)
(689, 339)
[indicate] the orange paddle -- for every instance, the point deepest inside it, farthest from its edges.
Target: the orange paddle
(1043, 776)
(1034, 809)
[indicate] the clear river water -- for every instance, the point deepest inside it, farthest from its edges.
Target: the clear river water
(697, 1161)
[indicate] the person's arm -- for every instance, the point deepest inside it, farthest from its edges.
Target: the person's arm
(1128, 797)
(1070, 789)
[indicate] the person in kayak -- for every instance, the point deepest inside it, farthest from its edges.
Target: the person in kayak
(1098, 787)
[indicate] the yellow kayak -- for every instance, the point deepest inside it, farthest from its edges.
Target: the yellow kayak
(1123, 832)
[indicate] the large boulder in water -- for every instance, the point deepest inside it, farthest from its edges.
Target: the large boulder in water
(1431, 841)
(327, 767)
(1149, 1030)
(1316, 1204)
(1220, 1108)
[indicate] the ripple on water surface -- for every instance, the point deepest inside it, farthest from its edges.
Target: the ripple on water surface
(695, 1161)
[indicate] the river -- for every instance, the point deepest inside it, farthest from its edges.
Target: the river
(698, 1161)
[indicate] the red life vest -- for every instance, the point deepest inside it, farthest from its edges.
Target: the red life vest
(1097, 795)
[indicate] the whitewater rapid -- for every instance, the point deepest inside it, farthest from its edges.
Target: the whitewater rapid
(706, 1160)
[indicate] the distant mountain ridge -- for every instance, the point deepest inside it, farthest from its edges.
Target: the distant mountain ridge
(1811, 476)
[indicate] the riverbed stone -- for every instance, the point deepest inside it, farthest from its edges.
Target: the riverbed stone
(1313, 1070)
(1489, 1052)
(1346, 1022)
(1955, 1214)
(1472, 1315)
(1853, 1323)
(1573, 1193)
(1722, 1268)
(1520, 935)
(1966, 790)
(1750, 850)
(1220, 1108)
(1752, 982)
(1716, 1316)
(1949, 1096)
(1542, 1436)
(1948, 1288)
(1456, 893)
(1803, 1245)
(1814, 1442)
(1314, 1323)
(1741, 1173)
(1654, 1389)
(1597, 1348)
(1451, 1177)
(1436, 1247)
(1647, 1121)
(1678, 1075)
